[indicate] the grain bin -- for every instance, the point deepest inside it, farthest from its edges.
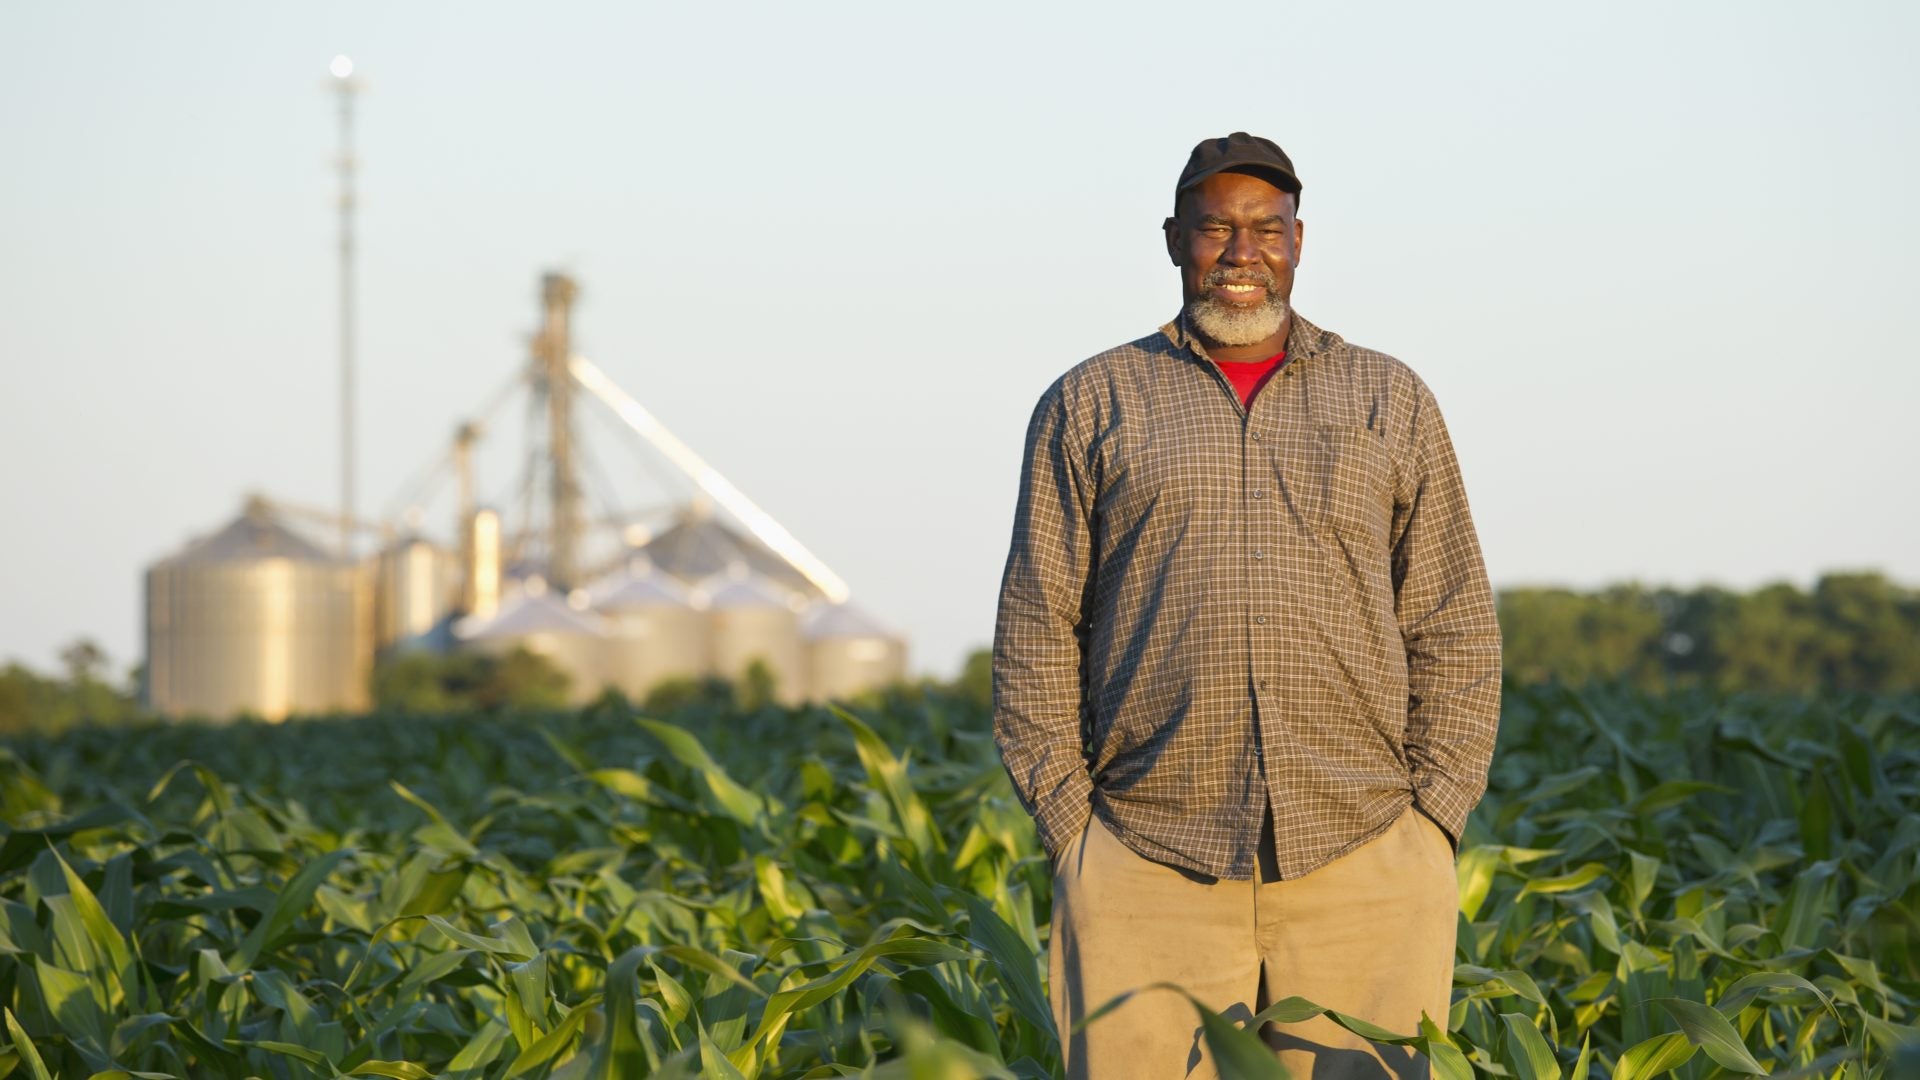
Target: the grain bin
(849, 651)
(415, 585)
(480, 577)
(754, 619)
(545, 624)
(655, 631)
(257, 620)
(698, 547)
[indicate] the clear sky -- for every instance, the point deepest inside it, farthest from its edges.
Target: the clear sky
(1655, 259)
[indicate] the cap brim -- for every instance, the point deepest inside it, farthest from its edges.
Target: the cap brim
(1286, 181)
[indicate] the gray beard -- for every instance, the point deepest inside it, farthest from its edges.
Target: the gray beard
(1233, 325)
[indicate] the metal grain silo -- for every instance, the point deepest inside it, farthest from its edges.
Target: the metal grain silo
(698, 547)
(655, 630)
(849, 651)
(256, 620)
(415, 585)
(754, 619)
(545, 624)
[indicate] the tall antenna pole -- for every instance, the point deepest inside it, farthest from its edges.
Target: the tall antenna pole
(556, 353)
(345, 86)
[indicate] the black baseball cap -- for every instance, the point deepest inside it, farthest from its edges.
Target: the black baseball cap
(1239, 150)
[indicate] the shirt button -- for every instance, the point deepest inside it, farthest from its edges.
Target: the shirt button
(1256, 436)
(1259, 554)
(1261, 619)
(1263, 684)
(1260, 494)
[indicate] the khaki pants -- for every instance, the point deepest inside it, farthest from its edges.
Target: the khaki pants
(1370, 934)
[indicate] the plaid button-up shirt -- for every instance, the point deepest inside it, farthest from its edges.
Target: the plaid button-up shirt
(1209, 609)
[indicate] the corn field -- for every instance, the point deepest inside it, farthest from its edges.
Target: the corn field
(1692, 886)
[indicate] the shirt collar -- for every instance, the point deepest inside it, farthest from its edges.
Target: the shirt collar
(1304, 339)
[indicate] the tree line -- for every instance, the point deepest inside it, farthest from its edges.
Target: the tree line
(1850, 632)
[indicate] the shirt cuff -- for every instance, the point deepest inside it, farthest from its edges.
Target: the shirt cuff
(1061, 821)
(1448, 803)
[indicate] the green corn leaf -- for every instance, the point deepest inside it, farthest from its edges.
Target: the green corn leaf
(1599, 912)
(1806, 906)
(1446, 1060)
(105, 937)
(887, 773)
(1654, 1057)
(619, 1054)
(741, 804)
(625, 783)
(702, 960)
(1739, 993)
(1707, 1029)
(773, 890)
(787, 1002)
(69, 997)
(444, 832)
(678, 1002)
(1514, 981)
(1670, 793)
(511, 942)
(399, 1070)
(1238, 1052)
(1528, 1054)
(1580, 878)
(1584, 1062)
(286, 1049)
(1645, 873)
(530, 986)
(1816, 816)
(1017, 966)
(209, 782)
(479, 1052)
(289, 905)
(1890, 1037)
(714, 1065)
(549, 1046)
(1293, 1010)
(1475, 869)
(24, 1047)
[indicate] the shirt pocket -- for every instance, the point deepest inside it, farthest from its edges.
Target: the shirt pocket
(1341, 479)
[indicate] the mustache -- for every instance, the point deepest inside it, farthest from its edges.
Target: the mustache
(1222, 276)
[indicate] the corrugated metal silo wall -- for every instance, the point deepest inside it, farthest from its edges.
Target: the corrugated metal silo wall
(266, 637)
(652, 644)
(415, 587)
(843, 667)
(772, 634)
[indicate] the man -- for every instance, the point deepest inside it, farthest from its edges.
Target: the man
(1246, 671)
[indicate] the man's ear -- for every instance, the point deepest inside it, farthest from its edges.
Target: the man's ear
(1172, 230)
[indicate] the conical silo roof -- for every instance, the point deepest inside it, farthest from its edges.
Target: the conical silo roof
(698, 546)
(529, 613)
(745, 589)
(640, 590)
(834, 622)
(255, 534)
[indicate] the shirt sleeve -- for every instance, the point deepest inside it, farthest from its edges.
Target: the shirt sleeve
(1040, 632)
(1446, 613)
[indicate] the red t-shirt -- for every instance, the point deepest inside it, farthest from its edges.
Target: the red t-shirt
(1248, 376)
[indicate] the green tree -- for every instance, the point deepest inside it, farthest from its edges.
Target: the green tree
(434, 684)
(975, 684)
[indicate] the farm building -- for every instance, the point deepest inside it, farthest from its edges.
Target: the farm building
(259, 619)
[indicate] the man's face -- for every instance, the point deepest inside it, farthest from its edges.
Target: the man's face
(1236, 242)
